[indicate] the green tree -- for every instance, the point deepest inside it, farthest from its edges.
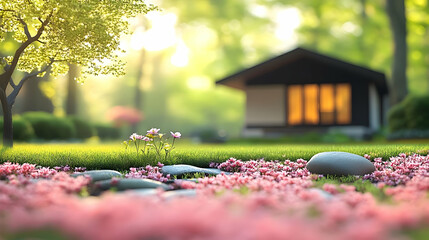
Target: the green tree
(418, 45)
(398, 22)
(71, 97)
(54, 33)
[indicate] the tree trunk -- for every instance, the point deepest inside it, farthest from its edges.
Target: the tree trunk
(7, 120)
(71, 100)
(364, 26)
(138, 91)
(31, 97)
(398, 87)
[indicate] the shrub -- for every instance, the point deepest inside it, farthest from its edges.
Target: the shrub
(336, 137)
(49, 127)
(410, 114)
(22, 129)
(396, 118)
(210, 135)
(417, 112)
(107, 131)
(84, 129)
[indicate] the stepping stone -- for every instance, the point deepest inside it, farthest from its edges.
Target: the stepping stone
(339, 163)
(180, 193)
(143, 192)
(182, 169)
(129, 183)
(168, 195)
(322, 193)
(98, 175)
(195, 180)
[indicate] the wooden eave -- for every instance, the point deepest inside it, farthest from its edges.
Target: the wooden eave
(238, 80)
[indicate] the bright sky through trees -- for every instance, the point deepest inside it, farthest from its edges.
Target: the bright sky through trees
(162, 33)
(159, 36)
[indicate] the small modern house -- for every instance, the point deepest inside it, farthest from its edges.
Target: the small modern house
(303, 91)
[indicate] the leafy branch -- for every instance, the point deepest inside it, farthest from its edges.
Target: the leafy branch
(17, 88)
(29, 41)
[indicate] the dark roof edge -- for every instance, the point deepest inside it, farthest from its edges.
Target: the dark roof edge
(278, 60)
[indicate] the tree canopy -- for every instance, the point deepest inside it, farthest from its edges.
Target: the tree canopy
(51, 34)
(59, 32)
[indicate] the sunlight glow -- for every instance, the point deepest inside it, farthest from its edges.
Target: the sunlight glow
(181, 57)
(352, 28)
(161, 35)
(287, 21)
(199, 83)
(258, 10)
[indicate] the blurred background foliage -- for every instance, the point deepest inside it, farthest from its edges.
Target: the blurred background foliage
(174, 57)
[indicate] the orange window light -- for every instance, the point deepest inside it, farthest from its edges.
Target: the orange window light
(327, 104)
(343, 103)
(295, 105)
(311, 100)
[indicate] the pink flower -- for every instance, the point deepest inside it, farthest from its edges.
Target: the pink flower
(176, 134)
(135, 136)
(153, 131)
(146, 139)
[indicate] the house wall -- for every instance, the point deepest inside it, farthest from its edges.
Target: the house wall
(360, 103)
(385, 108)
(265, 105)
(374, 108)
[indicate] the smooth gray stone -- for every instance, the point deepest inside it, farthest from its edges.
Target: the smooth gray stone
(322, 193)
(182, 169)
(195, 180)
(339, 163)
(180, 193)
(130, 183)
(171, 181)
(143, 192)
(36, 180)
(98, 175)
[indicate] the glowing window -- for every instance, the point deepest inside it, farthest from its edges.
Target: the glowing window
(327, 104)
(295, 104)
(311, 104)
(343, 103)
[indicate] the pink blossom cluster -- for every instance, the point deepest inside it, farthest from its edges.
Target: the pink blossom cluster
(293, 212)
(231, 216)
(399, 170)
(272, 203)
(26, 169)
(148, 172)
(31, 170)
(262, 167)
(20, 192)
(121, 115)
(239, 182)
(416, 188)
(67, 168)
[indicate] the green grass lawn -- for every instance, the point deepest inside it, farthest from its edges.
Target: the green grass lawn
(115, 156)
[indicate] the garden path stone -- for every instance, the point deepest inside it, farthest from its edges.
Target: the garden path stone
(322, 193)
(99, 175)
(339, 163)
(130, 183)
(180, 193)
(195, 180)
(143, 192)
(182, 169)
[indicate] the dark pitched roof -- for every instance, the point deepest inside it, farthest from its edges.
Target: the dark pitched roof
(241, 77)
